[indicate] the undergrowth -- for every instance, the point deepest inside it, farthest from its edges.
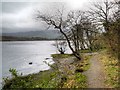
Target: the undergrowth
(111, 66)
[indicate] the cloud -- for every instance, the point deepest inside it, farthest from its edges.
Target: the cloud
(12, 7)
(20, 16)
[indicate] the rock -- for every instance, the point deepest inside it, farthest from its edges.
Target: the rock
(86, 64)
(81, 65)
(47, 58)
(78, 70)
(30, 63)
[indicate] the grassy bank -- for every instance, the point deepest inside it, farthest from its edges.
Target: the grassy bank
(78, 79)
(61, 55)
(111, 66)
(84, 64)
(91, 51)
(52, 78)
(45, 79)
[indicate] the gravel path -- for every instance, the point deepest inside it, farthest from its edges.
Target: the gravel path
(95, 74)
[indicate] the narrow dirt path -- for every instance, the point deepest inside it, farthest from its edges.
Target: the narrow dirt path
(95, 74)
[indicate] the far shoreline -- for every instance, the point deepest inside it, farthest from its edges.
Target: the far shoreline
(12, 38)
(30, 40)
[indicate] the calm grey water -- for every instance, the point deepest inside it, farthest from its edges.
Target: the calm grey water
(18, 54)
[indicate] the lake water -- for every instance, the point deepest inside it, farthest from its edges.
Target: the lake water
(18, 54)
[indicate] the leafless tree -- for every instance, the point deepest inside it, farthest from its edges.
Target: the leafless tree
(102, 12)
(108, 14)
(61, 46)
(116, 10)
(59, 23)
(82, 30)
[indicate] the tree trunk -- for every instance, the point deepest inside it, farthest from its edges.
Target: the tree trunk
(76, 54)
(61, 52)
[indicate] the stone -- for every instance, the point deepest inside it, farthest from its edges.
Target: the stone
(30, 63)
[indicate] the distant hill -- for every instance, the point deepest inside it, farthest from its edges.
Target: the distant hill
(44, 34)
(11, 38)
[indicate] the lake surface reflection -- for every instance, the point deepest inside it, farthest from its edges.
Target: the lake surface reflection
(18, 54)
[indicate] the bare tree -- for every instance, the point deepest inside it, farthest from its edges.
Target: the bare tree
(107, 13)
(83, 31)
(58, 23)
(73, 21)
(116, 10)
(101, 12)
(61, 46)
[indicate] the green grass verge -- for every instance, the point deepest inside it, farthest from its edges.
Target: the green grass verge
(45, 79)
(85, 51)
(78, 80)
(89, 51)
(81, 80)
(61, 55)
(111, 66)
(85, 64)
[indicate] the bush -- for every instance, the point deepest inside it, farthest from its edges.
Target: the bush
(13, 72)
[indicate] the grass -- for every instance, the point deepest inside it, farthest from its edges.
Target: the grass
(61, 55)
(45, 79)
(85, 64)
(78, 80)
(89, 51)
(81, 80)
(111, 69)
(85, 51)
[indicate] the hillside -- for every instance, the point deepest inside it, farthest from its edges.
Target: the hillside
(12, 38)
(44, 34)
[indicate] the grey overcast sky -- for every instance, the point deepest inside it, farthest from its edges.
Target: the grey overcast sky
(19, 16)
